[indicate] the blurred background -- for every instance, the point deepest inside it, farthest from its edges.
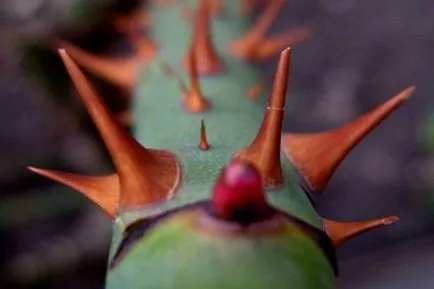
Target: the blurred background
(362, 53)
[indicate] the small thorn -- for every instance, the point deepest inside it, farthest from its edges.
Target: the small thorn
(317, 155)
(168, 70)
(246, 47)
(203, 145)
(339, 233)
(207, 60)
(264, 151)
(194, 101)
(121, 72)
(146, 176)
(273, 45)
(238, 194)
(255, 90)
(103, 191)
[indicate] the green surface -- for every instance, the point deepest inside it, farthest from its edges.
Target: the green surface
(179, 255)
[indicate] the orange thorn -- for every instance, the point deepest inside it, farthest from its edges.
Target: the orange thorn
(203, 49)
(273, 45)
(135, 20)
(193, 99)
(246, 47)
(121, 72)
(216, 7)
(125, 117)
(103, 191)
(264, 151)
(317, 155)
(255, 90)
(145, 49)
(342, 232)
(248, 5)
(146, 176)
(186, 12)
(203, 145)
(131, 25)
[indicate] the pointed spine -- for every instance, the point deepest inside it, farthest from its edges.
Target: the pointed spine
(316, 156)
(120, 72)
(194, 101)
(146, 176)
(268, 48)
(103, 191)
(246, 47)
(208, 62)
(203, 145)
(342, 232)
(264, 151)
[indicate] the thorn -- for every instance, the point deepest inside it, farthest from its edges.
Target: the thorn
(125, 117)
(186, 13)
(264, 151)
(168, 70)
(273, 45)
(203, 145)
(341, 232)
(255, 90)
(103, 191)
(207, 60)
(216, 7)
(145, 49)
(248, 5)
(146, 176)
(246, 47)
(194, 101)
(317, 155)
(121, 72)
(135, 20)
